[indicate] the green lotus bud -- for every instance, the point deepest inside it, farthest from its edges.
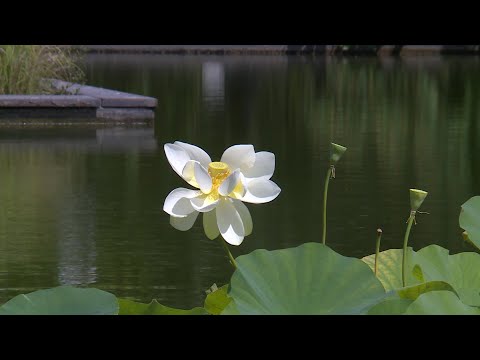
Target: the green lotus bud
(416, 198)
(467, 239)
(336, 152)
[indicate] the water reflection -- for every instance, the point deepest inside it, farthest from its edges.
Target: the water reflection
(213, 74)
(77, 251)
(85, 205)
(126, 140)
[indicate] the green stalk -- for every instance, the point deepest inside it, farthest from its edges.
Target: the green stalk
(336, 152)
(411, 219)
(377, 249)
(227, 250)
(416, 200)
(325, 194)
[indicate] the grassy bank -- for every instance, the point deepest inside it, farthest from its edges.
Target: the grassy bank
(23, 66)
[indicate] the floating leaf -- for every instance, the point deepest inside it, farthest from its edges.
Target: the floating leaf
(390, 306)
(309, 279)
(63, 300)
(413, 292)
(440, 303)
(467, 240)
(398, 300)
(230, 309)
(389, 270)
(217, 300)
(417, 272)
(128, 307)
(470, 220)
(461, 271)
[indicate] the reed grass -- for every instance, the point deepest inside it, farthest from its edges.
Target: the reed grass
(22, 67)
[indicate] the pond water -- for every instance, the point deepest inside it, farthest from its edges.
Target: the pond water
(83, 206)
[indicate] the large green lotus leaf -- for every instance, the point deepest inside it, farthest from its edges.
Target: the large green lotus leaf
(413, 292)
(309, 279)
(467, 239)
(461, 271)
(230, 309)
(389, 270)
(432, 263)
(418, 273)
(397, 301)
(63, 300)
(390, 306)
(440, 303)
(128, 307)
(470, 220)
(217, 300)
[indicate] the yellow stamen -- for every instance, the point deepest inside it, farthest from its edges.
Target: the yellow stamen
(218, 171)
(218, 168)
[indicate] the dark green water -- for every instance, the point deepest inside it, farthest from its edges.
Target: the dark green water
(84, 206)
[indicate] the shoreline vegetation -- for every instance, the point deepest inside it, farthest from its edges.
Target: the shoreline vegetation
(341, 50)
(22, 68)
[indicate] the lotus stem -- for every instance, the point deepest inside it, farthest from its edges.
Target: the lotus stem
(227, 250)
(405, 247)
(416, 199)
(377, 249)
(336, 152)
(325, 194)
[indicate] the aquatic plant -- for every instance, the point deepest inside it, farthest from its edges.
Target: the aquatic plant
(336, 152)
(242, 175)
(377, 249)
(416, 199)
(308, 279)
(469, 221)
(302, 280)
(63, 300)
(23, 67)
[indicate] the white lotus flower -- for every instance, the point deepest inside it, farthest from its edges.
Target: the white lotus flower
(241, 176)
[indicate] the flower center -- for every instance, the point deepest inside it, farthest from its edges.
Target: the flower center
(218, 171)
